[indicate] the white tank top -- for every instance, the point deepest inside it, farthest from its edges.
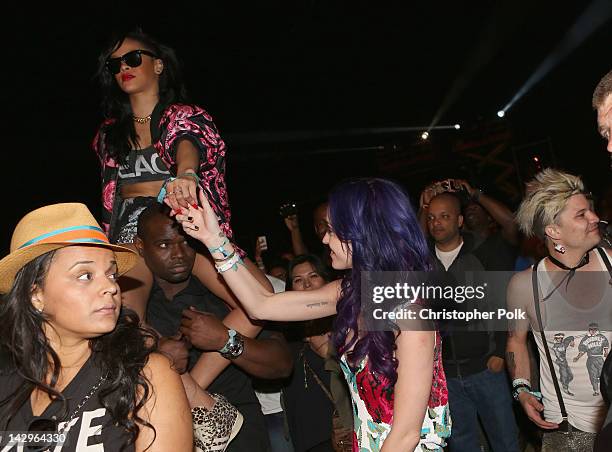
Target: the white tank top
(579, 340)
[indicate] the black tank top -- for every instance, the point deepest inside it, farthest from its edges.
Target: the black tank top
(91, 426)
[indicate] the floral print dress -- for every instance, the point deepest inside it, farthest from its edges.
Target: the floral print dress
(372, 396)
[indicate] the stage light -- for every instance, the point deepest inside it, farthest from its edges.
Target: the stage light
(425, 135)
(501, 113)
(594, 16)
(457, 126)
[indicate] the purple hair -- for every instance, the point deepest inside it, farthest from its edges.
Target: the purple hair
(376, 216)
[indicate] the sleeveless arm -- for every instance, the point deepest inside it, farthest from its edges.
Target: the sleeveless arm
(167, 410)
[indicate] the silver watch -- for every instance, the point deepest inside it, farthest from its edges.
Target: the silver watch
(234, 346)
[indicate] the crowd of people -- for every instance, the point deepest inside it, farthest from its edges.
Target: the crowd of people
(152, 329)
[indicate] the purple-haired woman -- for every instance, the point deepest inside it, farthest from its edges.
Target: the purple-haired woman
(396, 378)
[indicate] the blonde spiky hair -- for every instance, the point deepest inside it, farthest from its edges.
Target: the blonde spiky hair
(546, 196)
(602, 91)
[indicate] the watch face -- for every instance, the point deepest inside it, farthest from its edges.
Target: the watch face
(236, 346)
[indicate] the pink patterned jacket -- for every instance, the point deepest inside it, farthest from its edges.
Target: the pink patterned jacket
(169, 126)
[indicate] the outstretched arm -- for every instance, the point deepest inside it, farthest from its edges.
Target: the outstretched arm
(498, 211)
(204, 269)
(297, 242)
(201, 223)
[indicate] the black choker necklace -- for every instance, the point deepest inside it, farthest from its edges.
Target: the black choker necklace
(570, 274)
(582, 263)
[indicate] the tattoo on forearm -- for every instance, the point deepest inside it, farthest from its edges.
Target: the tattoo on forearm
(511, 364)
(317, 305)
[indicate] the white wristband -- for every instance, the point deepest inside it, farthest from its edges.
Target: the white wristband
(229, 264)
(520, 381)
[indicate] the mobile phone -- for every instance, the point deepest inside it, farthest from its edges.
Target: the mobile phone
(263, 242)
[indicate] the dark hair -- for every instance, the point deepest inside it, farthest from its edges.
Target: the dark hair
(319, 266)
(297, 331)
(376, 217)
(121, 354)
(151, 211)
(120, 133)
(275, 261)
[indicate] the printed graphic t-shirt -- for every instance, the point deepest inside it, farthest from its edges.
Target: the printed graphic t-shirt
(579, 340)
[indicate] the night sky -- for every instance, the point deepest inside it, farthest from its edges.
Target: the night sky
(316, 67)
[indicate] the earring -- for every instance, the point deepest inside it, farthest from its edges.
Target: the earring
(559, 248)
(38, 310)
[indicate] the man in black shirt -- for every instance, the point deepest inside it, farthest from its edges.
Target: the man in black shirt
(185, 312)
(477, 384)
(493, 227)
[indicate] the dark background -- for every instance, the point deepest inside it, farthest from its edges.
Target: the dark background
(315, 66)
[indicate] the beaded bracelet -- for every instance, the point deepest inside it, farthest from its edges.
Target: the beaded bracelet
(520, 381)
(231, 263)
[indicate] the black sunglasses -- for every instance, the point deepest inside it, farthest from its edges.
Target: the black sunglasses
(132, 59)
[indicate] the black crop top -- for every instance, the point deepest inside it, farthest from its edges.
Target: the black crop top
(143, 165)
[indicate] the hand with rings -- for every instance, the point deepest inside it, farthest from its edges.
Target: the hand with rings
(201, 223)
(182, 192)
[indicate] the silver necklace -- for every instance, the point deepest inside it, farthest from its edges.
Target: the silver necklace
(83, 402)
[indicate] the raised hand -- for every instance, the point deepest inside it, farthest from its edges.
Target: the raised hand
(292, 222)
(465, 186)
(201, 222)
(426, 195)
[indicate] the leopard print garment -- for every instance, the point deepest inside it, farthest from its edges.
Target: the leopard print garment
(213, 430)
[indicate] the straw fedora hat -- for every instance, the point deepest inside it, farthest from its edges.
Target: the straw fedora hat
(52, 227)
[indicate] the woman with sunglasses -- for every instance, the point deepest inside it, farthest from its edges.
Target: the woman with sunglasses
(396, 379)
(154, 147)
(78, 369)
